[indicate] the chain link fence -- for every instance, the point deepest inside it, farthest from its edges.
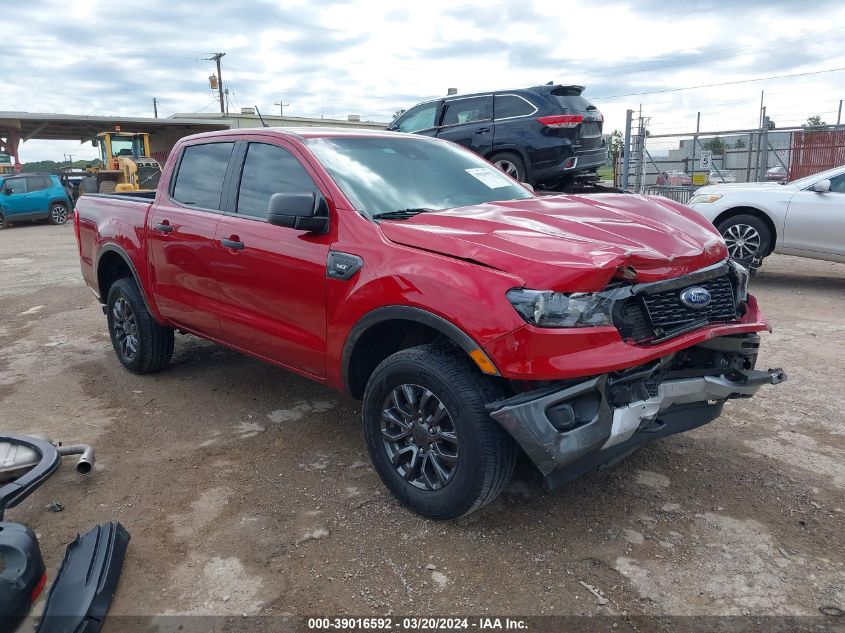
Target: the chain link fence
(675, 165)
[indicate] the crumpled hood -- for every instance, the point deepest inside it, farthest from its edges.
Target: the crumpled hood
(569, 243)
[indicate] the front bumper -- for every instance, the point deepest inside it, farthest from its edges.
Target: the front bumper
(570, 430)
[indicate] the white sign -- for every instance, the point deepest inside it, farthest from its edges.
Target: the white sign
(490, 177)
(706, 160)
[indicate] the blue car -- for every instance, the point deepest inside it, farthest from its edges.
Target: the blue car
(28, 197)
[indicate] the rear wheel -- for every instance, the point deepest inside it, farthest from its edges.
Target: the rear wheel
(430, 436)
(58, 213)
(510, 163)
(141, 344)
(748, 239)
(108, 186)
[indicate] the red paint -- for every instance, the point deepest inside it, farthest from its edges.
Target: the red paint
(273, 300)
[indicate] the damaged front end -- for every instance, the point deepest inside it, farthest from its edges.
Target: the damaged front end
(568, 429)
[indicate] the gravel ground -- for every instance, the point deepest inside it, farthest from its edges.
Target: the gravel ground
(247, 490)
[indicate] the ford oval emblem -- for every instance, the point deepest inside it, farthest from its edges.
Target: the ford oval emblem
(696, 297)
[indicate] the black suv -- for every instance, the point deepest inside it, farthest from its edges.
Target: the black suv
(547, 135)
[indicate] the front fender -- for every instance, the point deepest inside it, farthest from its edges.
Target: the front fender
(463, 300)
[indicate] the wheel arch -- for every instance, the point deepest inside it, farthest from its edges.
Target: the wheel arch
(511, 149)
(753, 211)
(60, 200)
(114, 263)
(387, 330)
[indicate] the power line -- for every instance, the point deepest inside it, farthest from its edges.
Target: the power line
(724, 83)
(723, 53)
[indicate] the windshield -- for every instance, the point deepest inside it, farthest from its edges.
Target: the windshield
(811, 180)
(388, 174)
(127, 146)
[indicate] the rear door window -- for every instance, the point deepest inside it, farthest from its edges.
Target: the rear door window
(466, 110)
(418, 118)
(570, 100)
(199, 181)
(38, 183)
(270, 169)
(509, 106)
(17, 185)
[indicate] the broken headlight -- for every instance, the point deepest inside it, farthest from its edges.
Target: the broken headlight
(546, 308)
(741, 275)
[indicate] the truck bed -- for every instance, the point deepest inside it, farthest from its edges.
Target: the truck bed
(118, 219)
(131, 196)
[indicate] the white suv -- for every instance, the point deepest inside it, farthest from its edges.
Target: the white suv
(804, 217)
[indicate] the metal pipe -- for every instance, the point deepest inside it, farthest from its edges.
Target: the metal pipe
(86, 461)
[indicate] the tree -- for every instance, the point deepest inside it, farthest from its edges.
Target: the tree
(398, 113)
(740, 144)
(715, 145)
(615, 143)
(814, 121)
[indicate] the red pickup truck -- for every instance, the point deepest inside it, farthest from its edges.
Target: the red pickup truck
(474, 318)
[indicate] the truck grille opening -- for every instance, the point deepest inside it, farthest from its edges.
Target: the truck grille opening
(651, 318)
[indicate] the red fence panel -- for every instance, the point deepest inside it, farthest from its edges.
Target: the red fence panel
(815, 151)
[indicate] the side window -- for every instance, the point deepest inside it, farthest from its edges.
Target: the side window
(199, 181)
(38, 183)
(506, 106)
(466, 111)
(270, 169)
(837, 184)
(17, 185)
(420, 117)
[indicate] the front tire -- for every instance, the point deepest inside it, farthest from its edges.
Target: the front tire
(430, 436)
(748, 238)
(141, 344)
(58, 213)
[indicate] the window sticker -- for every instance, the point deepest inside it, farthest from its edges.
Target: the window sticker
(489, 177)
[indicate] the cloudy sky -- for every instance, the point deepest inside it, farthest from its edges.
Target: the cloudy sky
(372, 58)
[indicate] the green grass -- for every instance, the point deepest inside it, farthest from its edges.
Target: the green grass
(606, 172)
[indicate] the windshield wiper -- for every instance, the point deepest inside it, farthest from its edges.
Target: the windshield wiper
(400, 214)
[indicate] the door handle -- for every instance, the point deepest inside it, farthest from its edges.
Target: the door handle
(164, 227)
(238, 246)
(482, 130)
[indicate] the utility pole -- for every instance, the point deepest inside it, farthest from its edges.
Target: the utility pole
(155, 107)
(626, 149)
(281, 107)
(839, 116)
(763, 152)
(216, 57)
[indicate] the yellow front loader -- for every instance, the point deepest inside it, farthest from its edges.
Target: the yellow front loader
(125, 164)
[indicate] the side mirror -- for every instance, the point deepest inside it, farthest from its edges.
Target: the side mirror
(8, 191)
(822, 186)
(301, 211)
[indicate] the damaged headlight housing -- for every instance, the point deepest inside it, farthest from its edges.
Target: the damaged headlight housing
(546, 308)
(741, 275)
